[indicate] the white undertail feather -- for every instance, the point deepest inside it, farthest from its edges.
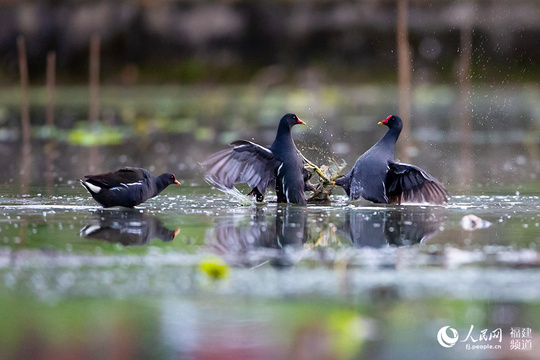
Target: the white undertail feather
(93, 188)
(87, 230)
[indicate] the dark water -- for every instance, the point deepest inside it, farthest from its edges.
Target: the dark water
(192, 274)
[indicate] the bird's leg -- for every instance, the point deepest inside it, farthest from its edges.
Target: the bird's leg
(258, 196)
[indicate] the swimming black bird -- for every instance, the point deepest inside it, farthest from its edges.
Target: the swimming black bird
(128, 186)
(279, 167)
(377, 177)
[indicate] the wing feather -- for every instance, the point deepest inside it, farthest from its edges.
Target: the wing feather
(126, 175)
(245, 162)
(409, 183)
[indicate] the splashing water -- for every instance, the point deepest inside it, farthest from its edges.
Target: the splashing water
(234, 193)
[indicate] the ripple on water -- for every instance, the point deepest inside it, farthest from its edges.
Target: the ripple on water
(414, 248)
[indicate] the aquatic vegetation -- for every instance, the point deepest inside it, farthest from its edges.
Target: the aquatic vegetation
(97, 134)
(214, 267)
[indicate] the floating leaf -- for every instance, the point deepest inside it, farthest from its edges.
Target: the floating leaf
(214, 267)
(97, 135)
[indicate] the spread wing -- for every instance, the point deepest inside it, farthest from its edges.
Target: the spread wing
(126, 175)
(409, 183)
(245, 162)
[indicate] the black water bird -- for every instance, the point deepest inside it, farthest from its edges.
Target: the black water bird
(128, 186)
(278, 167)
(377, 177)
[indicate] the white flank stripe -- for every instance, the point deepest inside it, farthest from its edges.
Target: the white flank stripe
(138, 183)
(384, 191)
(279, 169)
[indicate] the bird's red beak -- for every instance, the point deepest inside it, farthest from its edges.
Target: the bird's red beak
(301, 122)
(385, 121)
(176, 232)
(177, 182)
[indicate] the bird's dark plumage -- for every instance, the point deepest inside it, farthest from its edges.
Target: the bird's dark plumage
(128, 186)
(279, 167)
(377, 177)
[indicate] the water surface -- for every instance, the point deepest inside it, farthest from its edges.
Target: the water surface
(354, 278)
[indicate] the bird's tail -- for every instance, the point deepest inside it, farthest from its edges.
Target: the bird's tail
(92, 189)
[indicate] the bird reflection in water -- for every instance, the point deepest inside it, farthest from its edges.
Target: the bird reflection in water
(271, 235)
(392, 226)
(126, 227)
(275, 232)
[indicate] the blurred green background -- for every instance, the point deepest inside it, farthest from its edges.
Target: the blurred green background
(166, 83)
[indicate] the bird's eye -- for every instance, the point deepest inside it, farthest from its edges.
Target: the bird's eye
(294, 117)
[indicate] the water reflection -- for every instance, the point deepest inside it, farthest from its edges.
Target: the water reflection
(286, 227)
(126, 227)
(263, 230)
(292, 228)
(392, 226)
(51, 153)
(25, 171)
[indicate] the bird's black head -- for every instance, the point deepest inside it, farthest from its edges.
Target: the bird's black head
(290, 120)
(393, 122)
(168, 179)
